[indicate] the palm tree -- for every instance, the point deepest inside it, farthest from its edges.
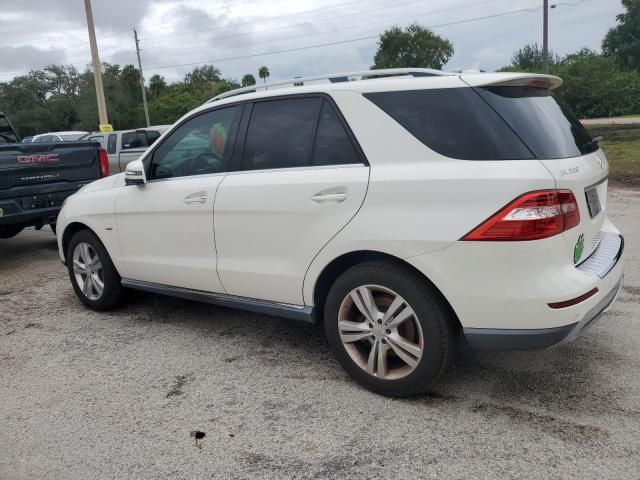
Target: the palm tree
(248, 80)
(263, 73)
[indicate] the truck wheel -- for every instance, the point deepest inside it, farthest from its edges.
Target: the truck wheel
(93, 276)
(9, 232)
(389, 329)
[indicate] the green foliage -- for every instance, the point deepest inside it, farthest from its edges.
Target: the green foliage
(531, 57)
(248, 80)
(263, 73)
(415, 46)
(60, 98)
(623, 42)
(593, 84)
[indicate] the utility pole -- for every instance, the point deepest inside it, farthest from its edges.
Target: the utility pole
(545, 35)
(144, 93)
(97, 71)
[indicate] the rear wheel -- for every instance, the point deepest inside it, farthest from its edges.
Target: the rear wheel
(93, 276)
(389, 329)
(9, 231)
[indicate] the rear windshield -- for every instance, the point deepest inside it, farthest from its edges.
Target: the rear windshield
(70, 137)
(548, 128)
(500, 123)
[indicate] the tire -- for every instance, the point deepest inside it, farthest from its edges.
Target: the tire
(9, 232)
(112, 292)
(421, 320)
(52, 226)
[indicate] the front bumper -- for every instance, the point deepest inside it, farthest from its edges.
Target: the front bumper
(536, 339)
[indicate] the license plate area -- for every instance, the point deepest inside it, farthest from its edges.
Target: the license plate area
(593, 201)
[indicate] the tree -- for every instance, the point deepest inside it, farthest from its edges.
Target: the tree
(623, 41)
(157, 85)
(593, 86)
(263, 73)
(200, 76)
(531, 58)
(415, 46)
(248, 80)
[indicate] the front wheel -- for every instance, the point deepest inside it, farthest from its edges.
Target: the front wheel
(389, 329)
(93, 276)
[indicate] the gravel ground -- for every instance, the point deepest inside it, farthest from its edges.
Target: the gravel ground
(116, 395)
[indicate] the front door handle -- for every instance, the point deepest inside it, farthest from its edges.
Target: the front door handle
(330, 197)
(197, 198)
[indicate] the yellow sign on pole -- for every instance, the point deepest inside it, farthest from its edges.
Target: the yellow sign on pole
(106, 127)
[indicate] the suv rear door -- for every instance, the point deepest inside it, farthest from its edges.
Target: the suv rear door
(300, 178)
(560, 142)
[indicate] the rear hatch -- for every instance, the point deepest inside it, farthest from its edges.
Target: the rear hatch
(560, 142)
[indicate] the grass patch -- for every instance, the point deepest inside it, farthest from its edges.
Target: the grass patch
(621, 144)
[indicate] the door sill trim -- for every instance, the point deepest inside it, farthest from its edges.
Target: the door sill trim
(278, 309)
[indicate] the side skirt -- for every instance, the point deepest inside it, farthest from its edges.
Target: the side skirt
(285, 310)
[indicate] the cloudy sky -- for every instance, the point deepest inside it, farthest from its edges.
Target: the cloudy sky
(289, 36)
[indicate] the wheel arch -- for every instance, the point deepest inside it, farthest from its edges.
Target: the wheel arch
(341, 264)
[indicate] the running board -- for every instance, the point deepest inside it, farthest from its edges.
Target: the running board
(285, 310)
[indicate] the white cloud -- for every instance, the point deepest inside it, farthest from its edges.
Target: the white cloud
(175, 32)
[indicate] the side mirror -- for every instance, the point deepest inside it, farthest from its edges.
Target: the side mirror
(134, 173)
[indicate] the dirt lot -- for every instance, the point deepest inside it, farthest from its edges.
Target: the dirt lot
(116, 395)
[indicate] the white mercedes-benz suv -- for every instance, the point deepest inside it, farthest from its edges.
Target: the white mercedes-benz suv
(407, 212)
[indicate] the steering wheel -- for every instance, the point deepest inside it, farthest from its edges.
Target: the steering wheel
(201, 161)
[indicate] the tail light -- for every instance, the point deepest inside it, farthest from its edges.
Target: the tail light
(531, 216)
(104, 162)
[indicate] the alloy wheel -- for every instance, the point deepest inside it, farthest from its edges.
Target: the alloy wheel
(88, 272)
(380, 332)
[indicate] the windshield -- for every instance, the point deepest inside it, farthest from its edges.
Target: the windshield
(545, 126)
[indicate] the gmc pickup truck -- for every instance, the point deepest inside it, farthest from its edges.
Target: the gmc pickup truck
(35, 178)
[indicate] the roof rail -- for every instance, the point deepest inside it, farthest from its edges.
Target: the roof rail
(335, 78)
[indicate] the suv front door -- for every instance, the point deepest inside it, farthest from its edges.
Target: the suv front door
(300, 179)
(165, 226)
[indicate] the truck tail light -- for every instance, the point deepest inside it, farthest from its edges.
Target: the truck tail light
(531, 216)
(104, 162)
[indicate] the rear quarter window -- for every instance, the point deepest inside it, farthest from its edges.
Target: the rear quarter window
(548, 128)
(455, 122)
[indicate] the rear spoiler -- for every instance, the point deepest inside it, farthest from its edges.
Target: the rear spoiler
(535, 80)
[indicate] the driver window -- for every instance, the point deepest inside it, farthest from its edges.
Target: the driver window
(200, 146)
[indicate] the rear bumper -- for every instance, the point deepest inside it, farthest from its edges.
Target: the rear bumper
(501, 292)
(536, 339)
(37, 208)
(33, 218)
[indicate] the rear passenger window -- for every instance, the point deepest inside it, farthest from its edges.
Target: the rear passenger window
(111, 143)
(333, 146)
(454, 122)
(280, 133)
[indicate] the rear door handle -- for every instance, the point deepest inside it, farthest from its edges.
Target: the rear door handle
(197, 198)
(329, 197)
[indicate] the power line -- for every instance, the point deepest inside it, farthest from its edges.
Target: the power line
(119, 49)
(324, 32)
(431, 12)
(341, 42)
(335, 43)
(278, 17)
(304, 12)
